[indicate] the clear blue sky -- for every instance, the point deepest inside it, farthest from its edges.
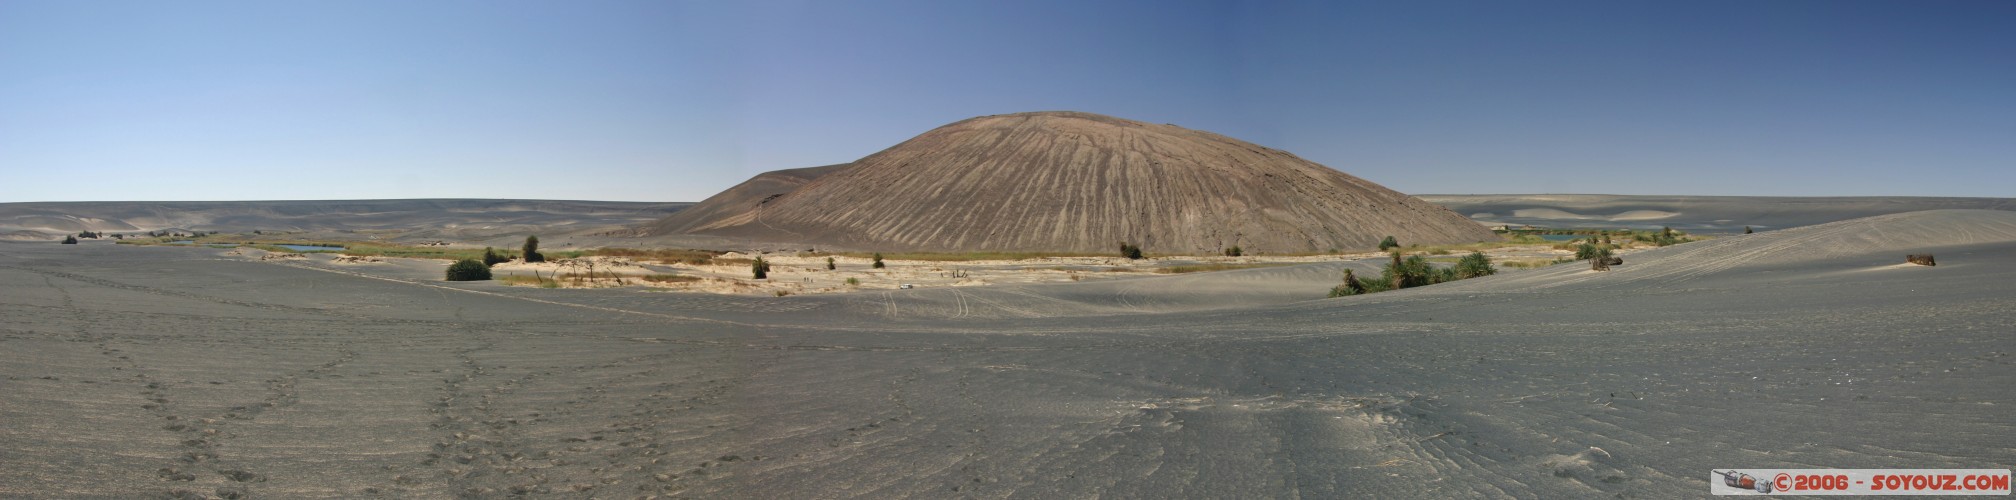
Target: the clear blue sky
(673, 101)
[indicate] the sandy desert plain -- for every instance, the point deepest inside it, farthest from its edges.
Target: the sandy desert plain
(181, 371)
(1027, 359)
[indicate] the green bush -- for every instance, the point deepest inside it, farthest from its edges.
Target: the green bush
(1588, 251)
(1474, 265)
(468, 270)
(69, 240)
(1601, 260)
(1235, 251)
(853, 281)
(491, 257)
(1409, 272)
(1413, 272)
(830, 265)
(532, 250)
(878, 260)
(1350, 286)
(760, 268)
(1130, 251)
(1388, 244)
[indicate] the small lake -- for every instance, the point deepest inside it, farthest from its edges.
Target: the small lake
(1561, 237)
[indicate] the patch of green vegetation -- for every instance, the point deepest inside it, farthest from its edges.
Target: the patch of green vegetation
(1388, 244)
(1415, 271)
(1587, 251)
(531, 251)
(412, 252)
(1535, 263)
(277, 248)
(1474, 265)
(1350, 286)
(492, 257)
(671, 278)
(1663, 237)
(468, 270)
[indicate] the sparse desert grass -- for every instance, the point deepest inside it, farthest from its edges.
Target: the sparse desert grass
(671, 278)
(281, 249)
(662, 255)
(1200, 268)
(1113, 269)
(541, 282)
(1534, 263)
(411, 252)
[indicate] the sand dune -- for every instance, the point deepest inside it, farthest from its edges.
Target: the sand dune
(140, 371)
(738, 201)
(1077, 182)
